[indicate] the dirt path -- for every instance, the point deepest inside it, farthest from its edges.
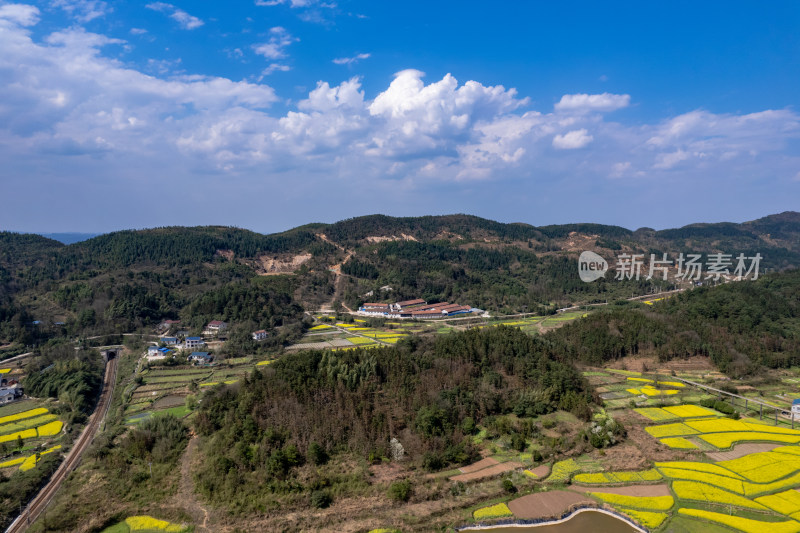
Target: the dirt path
(186, 495)
(337, 272)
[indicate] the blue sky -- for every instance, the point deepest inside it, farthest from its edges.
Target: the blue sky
(270, 114)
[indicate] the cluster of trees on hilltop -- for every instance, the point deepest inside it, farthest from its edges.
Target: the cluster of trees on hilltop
(740, 326)
(427, 392)
(506, 279)
(463, 227)
(266, 301)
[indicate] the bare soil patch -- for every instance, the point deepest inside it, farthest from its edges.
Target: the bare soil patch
(647, 491)
(488, 472)
(541, 471)
(483, 463)
(640, 448)
(273, 265)
(636, 363)
(740, 450)
(547, 504)
(690, 364)
(386, 472)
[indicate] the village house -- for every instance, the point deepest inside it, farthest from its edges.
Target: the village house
(9, 393)
(154, 353)
(193, 342)
(169, 341)
(216, 326)
(259, 335)
(200, 358)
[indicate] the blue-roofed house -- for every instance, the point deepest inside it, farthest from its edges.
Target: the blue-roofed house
(796, 407)
(194, 342)
(169, 341)
(154, 352)
(200, 358)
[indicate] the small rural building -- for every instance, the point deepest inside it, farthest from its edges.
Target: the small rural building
(399, 306)
(194, 342)
(383, 308)
(152, 350)
(374, 309)
(796, 408)
(10, 393)
(200, 358)
(169, 341)
(259, 335)
(217, 326)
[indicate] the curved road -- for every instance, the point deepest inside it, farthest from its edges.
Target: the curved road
(41, 500)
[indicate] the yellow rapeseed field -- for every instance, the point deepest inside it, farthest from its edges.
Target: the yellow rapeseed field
(711, 468)
(743, 524)
(617, 477)
(653, 503)
(562, 470)
(679, 443)
(24, 414)
(692, 490)
(18, 460)
(31, 461)
(678, 429)
(648, 519)
(726, 440)
(25, 434)
(50, 429)
(672, 384)
(764, 467)
(690, 411)
(493, 511)
(727, 483)
(787, 502)
(656, 414)
(145, 523)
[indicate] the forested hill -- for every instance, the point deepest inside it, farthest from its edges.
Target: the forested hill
(739, 326)
(127, 280)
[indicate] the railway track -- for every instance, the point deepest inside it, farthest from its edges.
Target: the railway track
(40, 502)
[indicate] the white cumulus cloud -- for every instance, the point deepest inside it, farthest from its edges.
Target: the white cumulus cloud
(582, 103)
(572, 140)
(66, 103)
(19, 14)
(184, 19)
(275, 48)
(350, 60)
(83, 10)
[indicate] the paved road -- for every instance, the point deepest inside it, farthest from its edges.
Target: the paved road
(40, 502)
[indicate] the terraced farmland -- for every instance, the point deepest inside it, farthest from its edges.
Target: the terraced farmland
(165, 389)
(36, 427)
